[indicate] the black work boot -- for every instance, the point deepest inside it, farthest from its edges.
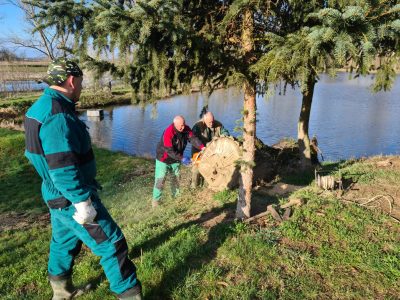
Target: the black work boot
(133, 297)
(134, 293)
(63, 289)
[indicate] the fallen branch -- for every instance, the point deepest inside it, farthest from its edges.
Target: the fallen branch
(293, 202)
(271, 210)
(287, 213)
(257, 216)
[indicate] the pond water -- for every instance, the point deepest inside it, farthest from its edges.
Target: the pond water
(348, 119)
(21, 85)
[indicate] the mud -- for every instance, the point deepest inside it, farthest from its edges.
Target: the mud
(19, 221)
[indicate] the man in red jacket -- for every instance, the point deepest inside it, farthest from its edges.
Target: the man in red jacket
(170, 156)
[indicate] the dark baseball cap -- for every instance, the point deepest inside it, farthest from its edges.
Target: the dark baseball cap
(59, 70)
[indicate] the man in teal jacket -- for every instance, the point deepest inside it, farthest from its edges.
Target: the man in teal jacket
(59, 147)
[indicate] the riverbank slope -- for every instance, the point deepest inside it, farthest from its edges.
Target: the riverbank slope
(13, 109)
(191, 247)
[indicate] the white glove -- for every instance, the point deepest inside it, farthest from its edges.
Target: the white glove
(85, 212)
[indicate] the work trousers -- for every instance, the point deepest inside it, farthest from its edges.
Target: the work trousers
(162, 169)
(103, 237)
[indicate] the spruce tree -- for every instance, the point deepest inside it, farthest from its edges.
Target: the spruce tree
(166, 44)
(328, 36)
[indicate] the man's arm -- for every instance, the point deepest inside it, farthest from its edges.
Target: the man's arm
(196, 130)
(61, 146)
(224, 131)
(193, 139)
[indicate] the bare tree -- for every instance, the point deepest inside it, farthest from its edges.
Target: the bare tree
(43, 40)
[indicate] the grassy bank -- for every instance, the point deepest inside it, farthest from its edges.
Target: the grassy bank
(89, 98)
(12, 110)
(191, 248)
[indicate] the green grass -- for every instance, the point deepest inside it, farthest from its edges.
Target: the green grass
(101, 98)
(22, 101)
(363, 172)
(19, 183)
(327, 250)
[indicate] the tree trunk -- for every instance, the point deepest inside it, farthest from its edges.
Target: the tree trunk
(303, 124)
(249, 132)
(243, 208)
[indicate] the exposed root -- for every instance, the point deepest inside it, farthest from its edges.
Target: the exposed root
(370, 201)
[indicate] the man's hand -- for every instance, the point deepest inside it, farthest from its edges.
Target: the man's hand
(85, 212)
(186, 161)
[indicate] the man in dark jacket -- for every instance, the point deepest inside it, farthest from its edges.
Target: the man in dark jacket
(59, 147)
(170, 155)
(205, 129)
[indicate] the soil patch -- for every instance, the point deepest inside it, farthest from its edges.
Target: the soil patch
(214, 215)
(378, 197)
(18, 221)
(380, 194)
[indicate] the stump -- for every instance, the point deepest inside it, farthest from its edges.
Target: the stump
(218, 164)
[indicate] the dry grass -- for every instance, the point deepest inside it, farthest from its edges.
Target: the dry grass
(22, 70)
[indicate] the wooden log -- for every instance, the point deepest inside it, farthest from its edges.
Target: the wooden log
(274, 213)
(257, 216)
(293, 202)
(287, 213)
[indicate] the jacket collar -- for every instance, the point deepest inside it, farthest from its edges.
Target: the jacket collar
(56, 94)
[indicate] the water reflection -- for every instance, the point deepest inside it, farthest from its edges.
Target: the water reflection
(348, 119)
(21, 85)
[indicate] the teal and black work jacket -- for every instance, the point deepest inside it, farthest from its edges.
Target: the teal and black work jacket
(59, 147)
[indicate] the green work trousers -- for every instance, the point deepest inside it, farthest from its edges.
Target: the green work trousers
(103, 237)
(162, 169)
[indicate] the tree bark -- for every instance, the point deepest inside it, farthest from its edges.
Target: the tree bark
(303, 137)
(243, 208)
